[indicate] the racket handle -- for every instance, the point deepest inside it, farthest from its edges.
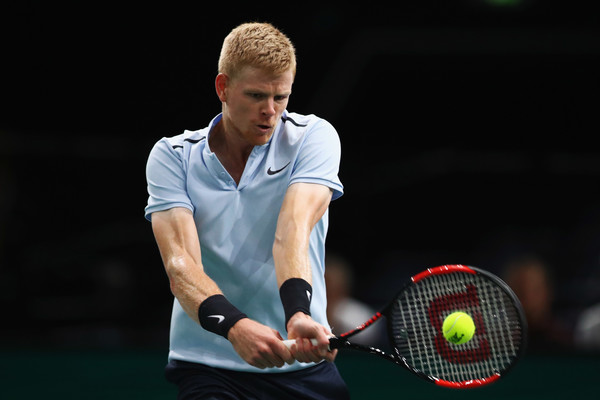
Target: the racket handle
(288, 343)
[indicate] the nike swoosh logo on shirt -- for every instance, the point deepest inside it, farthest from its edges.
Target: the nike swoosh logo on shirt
(271, 172)
(219, 317)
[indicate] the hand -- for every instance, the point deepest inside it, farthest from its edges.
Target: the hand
(259, 345)
(302, 328)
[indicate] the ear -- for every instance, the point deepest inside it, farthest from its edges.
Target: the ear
(221, 85)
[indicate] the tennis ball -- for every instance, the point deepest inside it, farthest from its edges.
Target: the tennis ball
(458, 327)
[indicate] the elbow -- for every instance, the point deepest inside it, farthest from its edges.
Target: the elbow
(277, 245)
(175, 268)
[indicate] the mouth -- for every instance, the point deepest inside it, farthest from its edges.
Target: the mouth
(265, 129)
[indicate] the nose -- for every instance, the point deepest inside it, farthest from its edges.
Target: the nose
(268, 108)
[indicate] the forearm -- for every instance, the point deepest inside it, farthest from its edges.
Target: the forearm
(290, 253)
(303, 205)
(177, 240)
(189, 284)
(291, 257)
(200, 297)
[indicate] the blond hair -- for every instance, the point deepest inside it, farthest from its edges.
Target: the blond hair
(259, 45)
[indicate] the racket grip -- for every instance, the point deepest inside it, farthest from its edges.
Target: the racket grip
(288, 343)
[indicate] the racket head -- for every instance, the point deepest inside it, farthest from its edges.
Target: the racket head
(416, 315)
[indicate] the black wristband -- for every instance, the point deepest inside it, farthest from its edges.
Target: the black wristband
(218, 315)
(295, 296)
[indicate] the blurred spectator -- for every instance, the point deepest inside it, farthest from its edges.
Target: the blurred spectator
(345, 312)
(531, 281)
(584, 288)
(587, 329)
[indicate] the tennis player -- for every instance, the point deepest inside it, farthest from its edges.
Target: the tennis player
(239, 211)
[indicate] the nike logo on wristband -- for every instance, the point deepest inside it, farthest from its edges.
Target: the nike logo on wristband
(219, 317)
(308, 295)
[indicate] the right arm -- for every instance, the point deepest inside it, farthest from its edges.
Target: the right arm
(179, 245)
(177, 239)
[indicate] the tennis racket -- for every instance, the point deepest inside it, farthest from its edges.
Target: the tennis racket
(415, 317)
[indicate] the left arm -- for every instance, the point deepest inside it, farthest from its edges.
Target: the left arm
(303, 206)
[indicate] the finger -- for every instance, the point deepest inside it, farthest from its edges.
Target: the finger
(323, 349)
(330, 357)
(284, 351)
(279, 353)
(299, 350)
(258, 364)
(318, 353)
(305, 351)
(290, 360)
(272, 359)
(287, 355)
(276, 362)
(311, 352)
(323, 337)
(323, 341)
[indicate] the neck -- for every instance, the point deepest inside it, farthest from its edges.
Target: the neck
(232, 152)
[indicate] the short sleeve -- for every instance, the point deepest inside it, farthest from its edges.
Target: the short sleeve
(319, 158)
(166, 179)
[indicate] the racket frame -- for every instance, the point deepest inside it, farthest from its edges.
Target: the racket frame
(342, 340)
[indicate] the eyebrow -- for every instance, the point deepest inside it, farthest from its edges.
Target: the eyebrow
(264, 93)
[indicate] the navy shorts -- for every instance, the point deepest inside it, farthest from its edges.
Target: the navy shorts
(196, 381)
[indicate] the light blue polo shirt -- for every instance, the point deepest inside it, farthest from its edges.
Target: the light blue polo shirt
(236, 223)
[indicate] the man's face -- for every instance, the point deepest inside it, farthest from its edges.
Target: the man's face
(253, 103)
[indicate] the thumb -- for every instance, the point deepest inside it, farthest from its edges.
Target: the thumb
(288, 358)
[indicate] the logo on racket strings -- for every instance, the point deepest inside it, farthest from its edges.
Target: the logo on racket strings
(440, 307)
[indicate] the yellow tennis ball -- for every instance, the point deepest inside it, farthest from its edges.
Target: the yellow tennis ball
(458, 327)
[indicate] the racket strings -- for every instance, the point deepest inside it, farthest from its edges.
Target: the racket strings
(417, 316)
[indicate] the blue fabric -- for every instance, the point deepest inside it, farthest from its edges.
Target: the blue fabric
(236, 223)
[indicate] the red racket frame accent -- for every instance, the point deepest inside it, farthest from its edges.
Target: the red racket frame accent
(441, 270)
(362, 326)
(468, 384)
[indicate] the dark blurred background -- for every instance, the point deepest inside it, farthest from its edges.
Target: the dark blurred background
(468, 132)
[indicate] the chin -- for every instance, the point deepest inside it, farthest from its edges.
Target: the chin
(263, 140)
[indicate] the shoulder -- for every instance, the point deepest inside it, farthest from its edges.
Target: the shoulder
(306, 127)
(300, 121)
(179, 145)
(186, 138)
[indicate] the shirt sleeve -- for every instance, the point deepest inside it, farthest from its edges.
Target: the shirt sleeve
(319, 158)
(166, 179)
